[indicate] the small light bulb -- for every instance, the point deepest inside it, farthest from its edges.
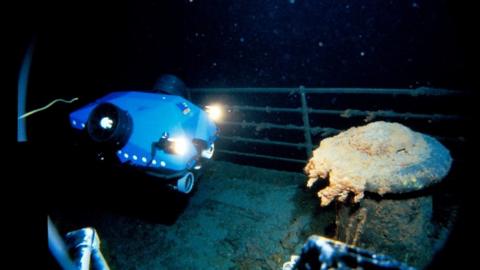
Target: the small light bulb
(106, 123)
(215, 112)
(179, 145)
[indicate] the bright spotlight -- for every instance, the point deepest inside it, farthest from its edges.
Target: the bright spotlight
(178, 146)
(215, 112)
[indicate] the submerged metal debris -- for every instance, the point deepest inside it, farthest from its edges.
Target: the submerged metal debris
(323, 253)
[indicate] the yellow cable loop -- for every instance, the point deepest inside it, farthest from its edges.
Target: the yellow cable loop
(47, 106)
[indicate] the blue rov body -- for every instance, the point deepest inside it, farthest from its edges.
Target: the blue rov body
(164, 135)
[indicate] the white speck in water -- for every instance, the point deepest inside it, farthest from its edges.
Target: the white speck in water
(362, 54)
(291, 1)
(320, 44)
(242, 39)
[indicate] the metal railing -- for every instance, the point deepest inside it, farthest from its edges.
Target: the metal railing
(306, 113)
(84, 244)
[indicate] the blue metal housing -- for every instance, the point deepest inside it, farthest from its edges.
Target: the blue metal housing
(152, 115)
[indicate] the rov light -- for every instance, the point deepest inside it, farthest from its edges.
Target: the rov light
(178, 146)
(106, 122)
(215, 112)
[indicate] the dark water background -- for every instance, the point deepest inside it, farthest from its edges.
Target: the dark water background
(86, 46)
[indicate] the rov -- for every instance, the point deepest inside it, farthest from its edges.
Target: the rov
(160, 132)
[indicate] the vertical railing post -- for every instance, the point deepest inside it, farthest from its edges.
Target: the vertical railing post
(85, 244)
(58, 248)
(306, 122)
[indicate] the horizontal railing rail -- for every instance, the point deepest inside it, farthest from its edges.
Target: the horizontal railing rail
(261, 156)
(348, 112)
(421, 91)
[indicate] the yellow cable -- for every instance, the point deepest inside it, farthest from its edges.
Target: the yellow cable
(47, 106)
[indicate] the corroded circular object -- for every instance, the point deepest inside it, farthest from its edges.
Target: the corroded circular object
(380, 157)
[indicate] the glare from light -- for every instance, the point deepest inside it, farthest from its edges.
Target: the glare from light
(163, 164)
(144, 159)
(154, 162)
(74, 122)
(106, 122)
(215, 112)
(83, 125)
(179, 146)
(134, 157)
(125, 155)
